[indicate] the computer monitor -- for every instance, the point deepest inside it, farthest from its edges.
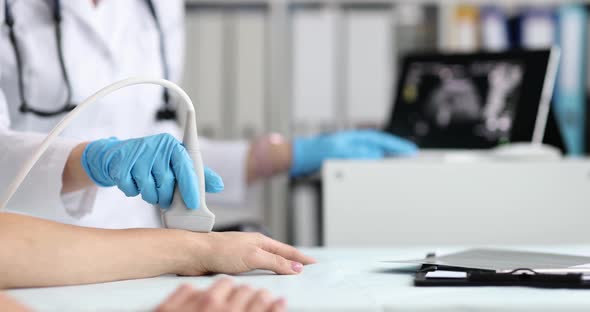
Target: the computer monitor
(474, 100)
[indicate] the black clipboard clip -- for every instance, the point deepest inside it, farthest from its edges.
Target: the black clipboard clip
(524, 277)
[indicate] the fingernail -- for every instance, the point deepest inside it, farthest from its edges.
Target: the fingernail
(297, 267)
(282, 302)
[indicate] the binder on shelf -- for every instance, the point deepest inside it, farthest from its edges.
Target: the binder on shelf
(251, 68)
(494, 29)
(465, 28)
(570, 91)
(417, 28)
(408, 19)
(204, 69)
(445, 27)
(314, 67)
(369, 67)
(537, 28)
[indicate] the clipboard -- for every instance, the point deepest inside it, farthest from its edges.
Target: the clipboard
(523, 277)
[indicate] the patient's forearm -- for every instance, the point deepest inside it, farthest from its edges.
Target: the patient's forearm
(267, 157)
(35, 252)
(74, 178)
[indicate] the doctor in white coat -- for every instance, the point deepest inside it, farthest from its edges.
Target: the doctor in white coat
(53, 54)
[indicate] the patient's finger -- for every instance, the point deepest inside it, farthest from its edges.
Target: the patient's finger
(285, 251)
(260, 301)
(221, 289)
(279, 305)
(268, 261)
(240, 297)
(177, 300)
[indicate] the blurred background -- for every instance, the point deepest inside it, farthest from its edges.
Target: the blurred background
(302, 67)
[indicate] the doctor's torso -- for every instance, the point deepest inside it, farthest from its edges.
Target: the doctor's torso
(101, 44)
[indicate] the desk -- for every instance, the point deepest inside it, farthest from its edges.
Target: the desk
(343, 280)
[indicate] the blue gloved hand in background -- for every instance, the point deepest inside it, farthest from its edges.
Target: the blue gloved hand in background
(151, 166)
(309, 153)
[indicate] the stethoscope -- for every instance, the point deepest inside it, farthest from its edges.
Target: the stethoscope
(164, 113)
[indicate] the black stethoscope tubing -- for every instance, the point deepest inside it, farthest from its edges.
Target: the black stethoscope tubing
(165, 113)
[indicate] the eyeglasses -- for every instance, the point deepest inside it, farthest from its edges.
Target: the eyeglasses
(164, 113)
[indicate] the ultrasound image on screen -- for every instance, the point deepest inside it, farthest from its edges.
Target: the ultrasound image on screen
(450, 105)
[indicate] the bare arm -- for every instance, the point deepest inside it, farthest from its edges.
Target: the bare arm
(36, 252)
(268, 158)
(272, 154)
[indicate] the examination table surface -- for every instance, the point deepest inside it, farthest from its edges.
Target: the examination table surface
(345, 279)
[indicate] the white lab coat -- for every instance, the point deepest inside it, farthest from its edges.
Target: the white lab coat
(115, 40)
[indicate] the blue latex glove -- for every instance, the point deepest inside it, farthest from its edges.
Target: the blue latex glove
(151, 166)
(309, 153)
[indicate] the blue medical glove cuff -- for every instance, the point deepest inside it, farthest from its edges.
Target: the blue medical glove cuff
(98, 175)
(303, 159)
(308, 154)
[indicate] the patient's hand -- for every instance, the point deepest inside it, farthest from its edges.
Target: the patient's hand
(222, 296)
(10, 305)
(235, 252)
